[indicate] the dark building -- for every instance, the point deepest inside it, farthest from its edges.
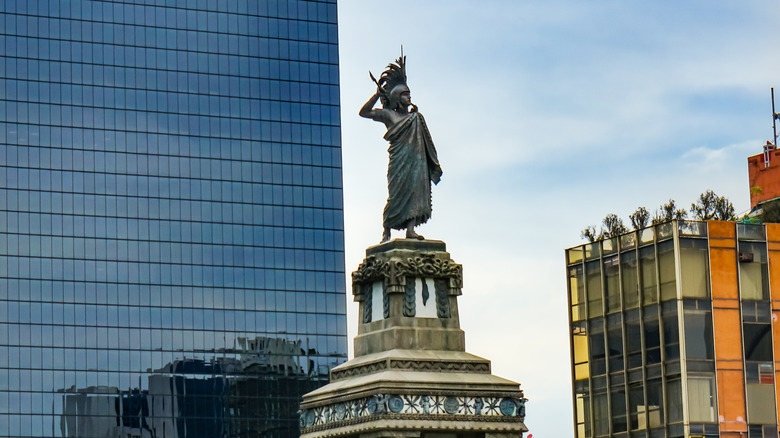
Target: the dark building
(171, 229)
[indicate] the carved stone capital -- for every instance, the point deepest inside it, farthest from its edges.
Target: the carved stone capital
(394, 266)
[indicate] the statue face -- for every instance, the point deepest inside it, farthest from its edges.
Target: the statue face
(406, 98)
(400, 97)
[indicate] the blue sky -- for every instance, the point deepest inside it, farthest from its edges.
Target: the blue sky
(547, 116)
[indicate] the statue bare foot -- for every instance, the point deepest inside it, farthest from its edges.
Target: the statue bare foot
(410, 234)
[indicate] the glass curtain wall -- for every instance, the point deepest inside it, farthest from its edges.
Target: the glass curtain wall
(171, 228)
(626, 302)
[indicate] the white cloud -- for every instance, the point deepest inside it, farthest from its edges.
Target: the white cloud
(548, 116)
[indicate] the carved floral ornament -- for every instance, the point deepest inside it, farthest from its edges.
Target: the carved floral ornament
(410, 406)
(395, 270)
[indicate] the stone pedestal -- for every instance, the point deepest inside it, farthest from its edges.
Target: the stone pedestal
(411, 376)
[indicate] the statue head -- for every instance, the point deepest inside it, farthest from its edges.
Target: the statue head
(393, 90)
(399, 97)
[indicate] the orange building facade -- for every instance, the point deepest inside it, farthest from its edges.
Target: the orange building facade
(764, 176)
(675, 332)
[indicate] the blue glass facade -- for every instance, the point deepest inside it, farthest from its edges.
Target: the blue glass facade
(171, 228)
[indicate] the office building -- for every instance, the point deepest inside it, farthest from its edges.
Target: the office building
(171, 229)
(674, 332)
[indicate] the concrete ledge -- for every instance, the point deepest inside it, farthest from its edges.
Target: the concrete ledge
(390, 426)
(408, 244)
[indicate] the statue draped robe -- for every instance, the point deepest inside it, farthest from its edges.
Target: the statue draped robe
(413, 165)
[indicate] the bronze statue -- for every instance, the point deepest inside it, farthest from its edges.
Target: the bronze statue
(413, 161)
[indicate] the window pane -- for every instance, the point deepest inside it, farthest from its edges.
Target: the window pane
(580, 341)
(636, 407)
(701, 399)
(674, 407)
(612, 284)
(666, 269)
(619, 410)
(648, 274)
(634, 339)
(615, 343)
(753, 271)
(758, 342)
(577, 291)
(655, 414)
(597, 348)
(652, 336)
(600, 414)
(671, 330)
(694, 268)
(698, 334)
(593, 276)
(629, 279)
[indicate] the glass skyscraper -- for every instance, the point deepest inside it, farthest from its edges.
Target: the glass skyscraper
(171, 229)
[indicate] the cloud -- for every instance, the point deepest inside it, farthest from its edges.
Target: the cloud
(547, 117)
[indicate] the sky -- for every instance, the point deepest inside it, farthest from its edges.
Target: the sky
(547, 116)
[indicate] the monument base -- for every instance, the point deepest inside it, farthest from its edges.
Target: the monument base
(411, 376)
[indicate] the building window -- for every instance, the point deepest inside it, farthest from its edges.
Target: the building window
(701, 399)
(581, 406)
(697, 318)
(637, 408)
(671, 330)
(647, 270)
(674, 406)
(652, 336)
(615, 342)
(593, 279)
(757, 331)
(762, 431)
(694, 268)
(577, 289)
(612, 284)
(760, 393)
(633, 339)
(600, 414)
(666, 270)
(655, 414)
(580, 347)
(582, 409)
(598, 364)
(618, 405)
(629, 279)
(757, 341)
(753, 271)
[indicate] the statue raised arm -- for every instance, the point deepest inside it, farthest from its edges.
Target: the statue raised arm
(413, 161)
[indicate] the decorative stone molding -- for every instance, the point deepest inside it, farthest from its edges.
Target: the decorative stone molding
(409, 304)
(362, 370)
(367, 301)
(413, 406)
(372, 269)
(442, 299)
(394, 271)
(430, 365)
(432, 265)
(414, 365)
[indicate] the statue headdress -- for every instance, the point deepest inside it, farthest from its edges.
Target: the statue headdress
(391, 78)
